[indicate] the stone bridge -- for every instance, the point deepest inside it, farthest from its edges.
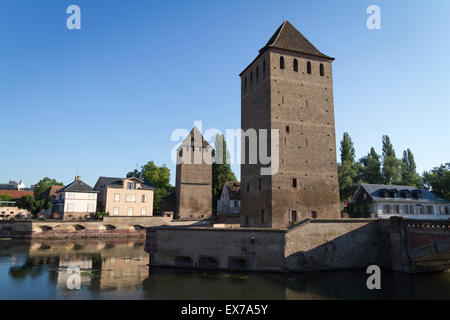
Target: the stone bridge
(311, 245)
(419, 245)
(109, 227)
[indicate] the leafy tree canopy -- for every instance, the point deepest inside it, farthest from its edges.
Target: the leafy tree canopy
(437, 180)
(371, 168)
(33, 205)
(347, 149)
(221, 169)
(44, 184)
(408, 170)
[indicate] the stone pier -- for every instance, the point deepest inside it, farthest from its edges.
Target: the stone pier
(312, 245)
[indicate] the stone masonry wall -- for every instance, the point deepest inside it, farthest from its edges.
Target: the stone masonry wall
(326, 245)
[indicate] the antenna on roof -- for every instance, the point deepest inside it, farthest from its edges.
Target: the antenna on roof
(76, 171)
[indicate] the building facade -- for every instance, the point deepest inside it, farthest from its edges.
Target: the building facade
(75, 200)
(12, 185)
(230, 198)
(125, 196)
(193, 183)
(385, 201)
(288, 87)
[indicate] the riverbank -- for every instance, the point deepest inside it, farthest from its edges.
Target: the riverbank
(109, 227)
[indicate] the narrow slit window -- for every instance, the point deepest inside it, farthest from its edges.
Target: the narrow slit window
(281, 62)
(295, 65)
(308, 67)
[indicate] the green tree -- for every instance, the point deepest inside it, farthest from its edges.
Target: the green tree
(408, 170)
(6, 197)
(371, 168)
(348, 169)
(391, 165)
(437, 181)
(43, 185)
(33, 205)
(221, 169)
(159, 177)
(347, 149)
(359, 210)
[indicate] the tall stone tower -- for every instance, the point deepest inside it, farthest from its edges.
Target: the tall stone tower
(193, 185)
(289, 87)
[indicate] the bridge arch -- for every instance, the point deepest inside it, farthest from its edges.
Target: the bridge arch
(136, 227)
(76, 227)
(40, 229)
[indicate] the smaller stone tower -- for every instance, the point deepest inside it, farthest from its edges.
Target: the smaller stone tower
(193, 189)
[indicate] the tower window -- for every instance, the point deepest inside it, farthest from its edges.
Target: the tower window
(308, 67)
(322, 71)
(281, 62)
(293, 216)
(287, 129)
(294, 183)
(295, 66)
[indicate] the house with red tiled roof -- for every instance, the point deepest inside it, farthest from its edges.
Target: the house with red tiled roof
(16, 194)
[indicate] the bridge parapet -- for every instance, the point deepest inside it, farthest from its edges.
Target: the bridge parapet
(436, 225)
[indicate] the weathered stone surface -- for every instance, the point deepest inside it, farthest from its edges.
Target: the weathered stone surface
(313, 245)
(299, 105)
(110, 227)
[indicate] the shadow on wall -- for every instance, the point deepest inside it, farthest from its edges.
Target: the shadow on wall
(355, 249)
(22, 229)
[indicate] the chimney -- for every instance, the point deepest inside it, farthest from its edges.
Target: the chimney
(77, 178)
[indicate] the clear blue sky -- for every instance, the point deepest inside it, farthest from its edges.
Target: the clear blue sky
(107, 97)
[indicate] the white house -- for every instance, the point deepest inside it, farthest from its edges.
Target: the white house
(75, 200)
(230, 199)
(410, 202)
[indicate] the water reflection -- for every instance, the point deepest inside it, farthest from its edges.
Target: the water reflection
(93, 269)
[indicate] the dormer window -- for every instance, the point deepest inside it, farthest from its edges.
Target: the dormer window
(393, 193)
(281, 62)
(383, 193)
(131, 185)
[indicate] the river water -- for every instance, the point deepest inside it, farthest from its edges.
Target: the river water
(94, 269)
